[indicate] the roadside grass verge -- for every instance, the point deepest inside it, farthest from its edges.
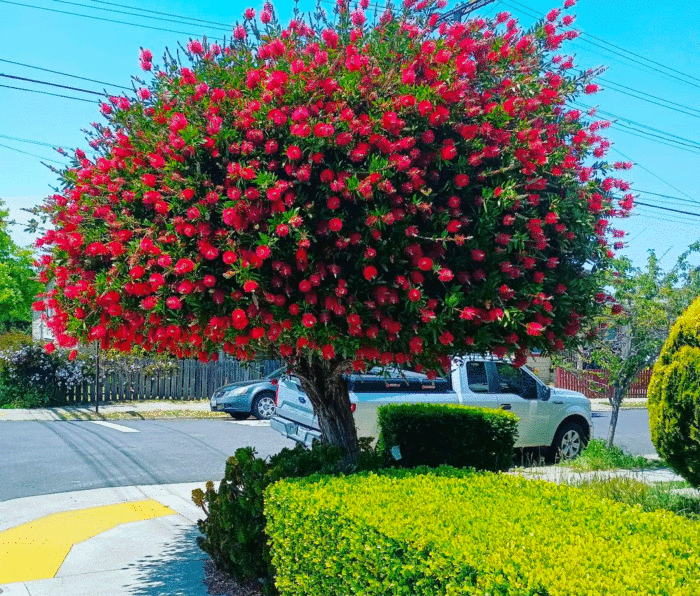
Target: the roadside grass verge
(650, 497)
(597, 456)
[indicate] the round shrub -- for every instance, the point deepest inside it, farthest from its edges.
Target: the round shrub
(674, 397)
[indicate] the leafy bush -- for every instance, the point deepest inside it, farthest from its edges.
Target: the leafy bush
(598, 456)
(439, 434)
(650, 497)
(234, 529)
(455, 532)
(674, 397)
(31, 377)
(14, 340)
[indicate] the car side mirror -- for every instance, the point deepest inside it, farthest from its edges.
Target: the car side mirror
(545, 392)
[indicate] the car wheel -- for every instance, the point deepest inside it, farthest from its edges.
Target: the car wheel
(569, 442)
(239, 415)
(264, 405)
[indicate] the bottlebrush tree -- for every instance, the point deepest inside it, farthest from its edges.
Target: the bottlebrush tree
(341, 195)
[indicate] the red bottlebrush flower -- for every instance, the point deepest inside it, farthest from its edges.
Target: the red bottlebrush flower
(590, 88)
(534, 329)
(446, 338)
(305, 286)
(461, 180)
(308, 320)
(425, 264)
(506, 292)
(178, 122)
(249, 13)
(293, 153)
(415, 345)
(174, 303)
(137, 272)
(73, 355)
(335, 224)
(263, 251)
(503, 239)
(328, 352)
(250, 286)
(265, 17)
(239, 319)
(369, 272)
(470, 313)
(448, 152)
(445, 275)
(478, 255)
(560, 289)
(616, 309)
(183, 266)
(538, 277)
(39, 305)
(50, 348)
(282, 230)
(149, 303)
(195, 47)
(551, 218)
(414, 295)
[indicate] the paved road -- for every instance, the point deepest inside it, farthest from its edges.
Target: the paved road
(632, 433)
(40, 458)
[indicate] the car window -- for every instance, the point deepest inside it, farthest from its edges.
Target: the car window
(515, 380)
(476, 377)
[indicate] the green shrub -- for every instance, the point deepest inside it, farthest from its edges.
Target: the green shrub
(598, 456)
(674, 397)
(30, 377)
(461, 533)
(14, 340)
(234, 529)
(438, 434)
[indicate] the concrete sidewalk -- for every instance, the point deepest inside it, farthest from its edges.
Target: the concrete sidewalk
(82, 411)
(131, 541)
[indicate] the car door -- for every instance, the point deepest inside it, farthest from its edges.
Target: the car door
(516, 391)
(476, 389)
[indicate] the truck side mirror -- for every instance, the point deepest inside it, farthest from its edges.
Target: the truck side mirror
(545, 392)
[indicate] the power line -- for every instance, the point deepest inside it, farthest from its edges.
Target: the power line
(650, 172)
(619, 51)
(77, 14)
(32, 154)
(657, 194)
(64, 74)
(162, 13)
(32, 142)
(7, 76)
(667, 208)
(661, 99)
(46, 92)
(642, 134)
(178, 21)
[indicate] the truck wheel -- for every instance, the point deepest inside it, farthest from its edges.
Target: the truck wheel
(264, 405)
(239, 415)
(569, 442)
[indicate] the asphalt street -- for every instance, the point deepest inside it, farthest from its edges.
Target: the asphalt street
(47, 457)
(40, 458)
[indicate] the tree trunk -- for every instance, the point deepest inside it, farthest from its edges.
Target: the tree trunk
(327, 390)
(615, 402)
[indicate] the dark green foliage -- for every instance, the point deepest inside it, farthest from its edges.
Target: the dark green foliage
(234, 529)
(674, 397)
(459, 436)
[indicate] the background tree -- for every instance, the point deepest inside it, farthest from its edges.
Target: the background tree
(18, 283)
(340, 195)
(628, 338)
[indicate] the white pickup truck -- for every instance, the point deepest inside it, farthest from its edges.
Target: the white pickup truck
(557, 419)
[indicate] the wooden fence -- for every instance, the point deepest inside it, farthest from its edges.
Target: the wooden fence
(190, 380)
(594, 383)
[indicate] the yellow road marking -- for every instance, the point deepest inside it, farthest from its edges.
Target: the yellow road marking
(36, 550)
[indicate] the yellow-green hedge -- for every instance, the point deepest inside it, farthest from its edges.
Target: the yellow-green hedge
(674, 397)
(449, 532)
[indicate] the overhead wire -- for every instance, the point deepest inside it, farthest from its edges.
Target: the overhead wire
(32, 154)
(158, 12)
(178, 21)
(46, 93)
(8, 76)
(77, 14)
(627, 90)
(64, 74)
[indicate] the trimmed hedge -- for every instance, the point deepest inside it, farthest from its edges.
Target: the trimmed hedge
(439, 434)
(674, 397)
(449, 532)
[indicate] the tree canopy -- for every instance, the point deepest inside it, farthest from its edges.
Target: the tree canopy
(18, 284)
(342, 193)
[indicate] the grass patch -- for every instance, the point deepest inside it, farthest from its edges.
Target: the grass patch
(650, 497)
(598, 456)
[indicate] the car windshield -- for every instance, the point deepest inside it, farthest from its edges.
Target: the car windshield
(277, 373)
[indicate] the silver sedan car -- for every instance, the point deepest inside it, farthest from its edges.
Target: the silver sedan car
(241, 399)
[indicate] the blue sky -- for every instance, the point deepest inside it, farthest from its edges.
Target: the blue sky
(624, 34)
